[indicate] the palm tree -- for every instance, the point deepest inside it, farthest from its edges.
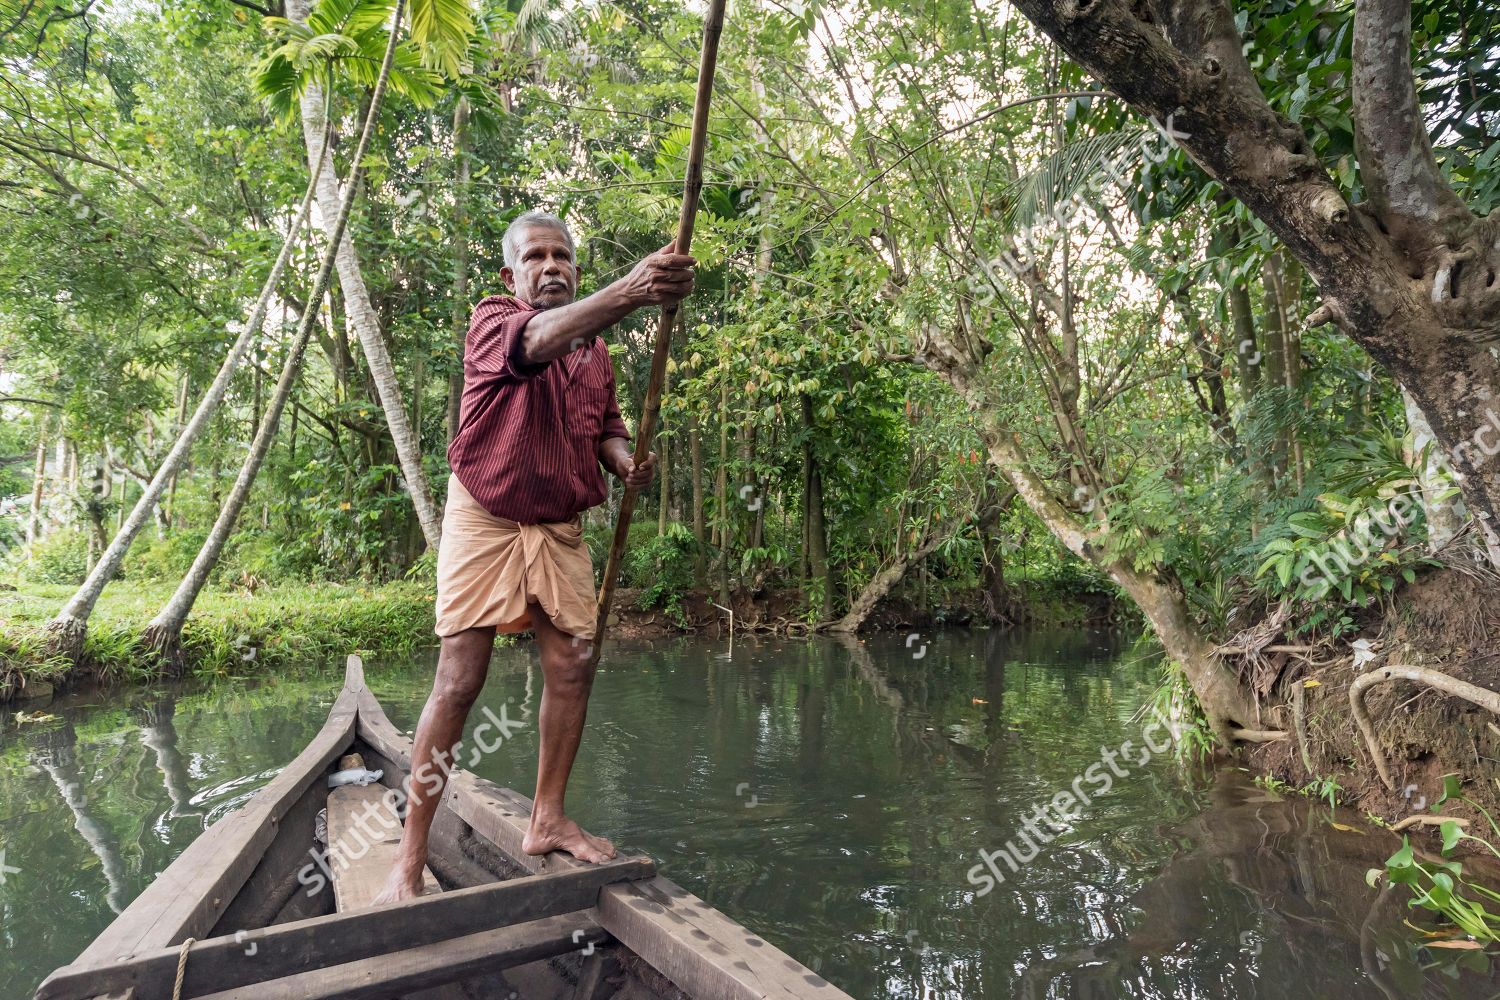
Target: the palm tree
(70, 626)
(350, 20)
(164, 632)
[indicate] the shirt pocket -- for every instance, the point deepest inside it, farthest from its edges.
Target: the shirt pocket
(590, 400)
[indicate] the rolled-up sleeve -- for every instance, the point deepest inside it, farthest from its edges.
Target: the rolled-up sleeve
(494, 343)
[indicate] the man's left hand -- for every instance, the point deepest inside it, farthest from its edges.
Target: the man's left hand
(621, 461)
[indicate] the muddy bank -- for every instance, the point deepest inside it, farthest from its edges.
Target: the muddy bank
(780, 612)
(1445, 621)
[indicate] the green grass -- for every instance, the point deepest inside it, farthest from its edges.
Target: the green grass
(231, 633)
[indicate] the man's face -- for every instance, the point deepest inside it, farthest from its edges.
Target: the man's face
(545, 274)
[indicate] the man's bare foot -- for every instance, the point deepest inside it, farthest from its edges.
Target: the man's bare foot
(562, 834)
(400, 885)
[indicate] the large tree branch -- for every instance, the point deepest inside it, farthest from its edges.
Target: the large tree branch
(1214, 109)
(1405, 186)
(125, 175)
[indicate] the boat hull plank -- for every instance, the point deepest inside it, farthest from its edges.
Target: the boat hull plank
(190, 896)
(447, 961)
(364, 837)
(244, 959)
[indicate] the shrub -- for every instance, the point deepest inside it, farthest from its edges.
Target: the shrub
(662, 566)
(62, 557)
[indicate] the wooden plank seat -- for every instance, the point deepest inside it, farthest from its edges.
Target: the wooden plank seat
(272, 953)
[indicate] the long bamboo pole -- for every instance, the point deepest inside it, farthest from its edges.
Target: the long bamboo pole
(713, 26)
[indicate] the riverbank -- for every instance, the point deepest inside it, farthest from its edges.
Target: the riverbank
(242, 631)
(232, 632)
(1444, 621)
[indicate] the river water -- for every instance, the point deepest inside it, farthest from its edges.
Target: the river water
(837, 799)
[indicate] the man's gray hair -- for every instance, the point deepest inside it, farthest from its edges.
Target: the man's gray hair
(527, 220)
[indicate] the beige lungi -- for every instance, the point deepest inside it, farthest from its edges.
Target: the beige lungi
(490, 568)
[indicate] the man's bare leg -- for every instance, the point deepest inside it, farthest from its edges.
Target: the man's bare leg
(462, 666)
(568, 676)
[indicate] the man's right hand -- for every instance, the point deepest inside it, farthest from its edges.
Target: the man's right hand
(663, 278)
(660, 279)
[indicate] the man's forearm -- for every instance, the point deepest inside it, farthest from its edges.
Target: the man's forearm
(555, 332)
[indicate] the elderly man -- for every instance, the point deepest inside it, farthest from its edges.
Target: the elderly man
(539, 419)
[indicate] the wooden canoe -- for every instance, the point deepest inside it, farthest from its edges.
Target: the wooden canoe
(265, 910)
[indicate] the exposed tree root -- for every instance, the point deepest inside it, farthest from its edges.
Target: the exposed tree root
(1482, 697)
(1299, 722)
(66, 635)
(1258, 735)
(165, 641)
(1422, 819)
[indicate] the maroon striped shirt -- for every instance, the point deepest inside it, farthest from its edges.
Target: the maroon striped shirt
(527, 446)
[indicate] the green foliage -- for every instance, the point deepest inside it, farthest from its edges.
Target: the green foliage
(232, 632)
(1325, 788)
(1440, 887)
(1348, 547)
(1174, 701)
(1273, 784)
(61, 557)
(164, 559)
(662, 566)
(345, 40)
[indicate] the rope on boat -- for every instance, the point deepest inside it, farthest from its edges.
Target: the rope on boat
(182, 967)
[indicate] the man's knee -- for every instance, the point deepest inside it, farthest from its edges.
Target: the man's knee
(572, 669)
(459, 688)
(462, 667)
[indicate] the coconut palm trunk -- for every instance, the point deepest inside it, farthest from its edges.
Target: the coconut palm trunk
(38, 479)
(70, 626)
(460, 260)
(358, 307)
(164, 632)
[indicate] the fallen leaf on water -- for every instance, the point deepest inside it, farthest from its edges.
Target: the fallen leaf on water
(1466, 945)
(1347, 829)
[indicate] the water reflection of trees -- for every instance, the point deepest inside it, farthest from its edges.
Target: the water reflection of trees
(1301, 877)
(55, 751)
(159, 732)
(1257, 891)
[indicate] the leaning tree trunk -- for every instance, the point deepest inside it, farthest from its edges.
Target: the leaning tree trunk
(71, 624)
(1408, 274)
(1156, 592)
(38, 479)
(817, 529)
(360, 310)
(460, 261)
(890, 575)
(164, 632)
